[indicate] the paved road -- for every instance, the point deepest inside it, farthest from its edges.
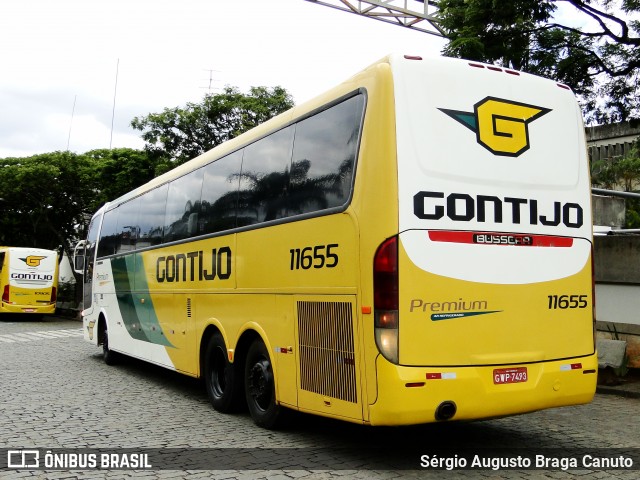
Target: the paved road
(58, 394)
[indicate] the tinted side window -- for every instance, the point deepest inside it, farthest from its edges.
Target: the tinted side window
(324, 157)
(108, 235)
(128, 229)
(220, 194)
(89, 254)
(265, 178)
(183, 207)
(151, 219)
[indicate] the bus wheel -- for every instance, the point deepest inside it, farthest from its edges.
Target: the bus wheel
(110, 357)
(222, 384)
(260, 388)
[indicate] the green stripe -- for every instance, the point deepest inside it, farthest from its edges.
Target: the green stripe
(139, 317)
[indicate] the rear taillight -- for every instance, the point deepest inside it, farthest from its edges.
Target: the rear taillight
(385, 297)
(5, 294)
(53, 294)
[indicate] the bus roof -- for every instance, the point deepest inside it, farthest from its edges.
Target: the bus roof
(285, 118)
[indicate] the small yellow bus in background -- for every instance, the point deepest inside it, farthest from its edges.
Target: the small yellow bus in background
(412, 246)
(28, 280)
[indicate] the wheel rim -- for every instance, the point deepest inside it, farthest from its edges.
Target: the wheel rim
(261, 384)
(218, 373)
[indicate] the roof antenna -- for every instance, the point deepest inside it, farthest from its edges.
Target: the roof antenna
(113, 110)
(73, 110)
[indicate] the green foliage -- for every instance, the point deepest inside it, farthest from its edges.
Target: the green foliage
(618, 173)
(601, 64)
(42, 199)
(492, 30)
(120, 170)
(632, 214)
(182, 133)
(48, 199)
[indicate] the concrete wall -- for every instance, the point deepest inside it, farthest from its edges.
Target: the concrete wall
(617, 259)
(608, 211)
(622, 131)
(617, 274)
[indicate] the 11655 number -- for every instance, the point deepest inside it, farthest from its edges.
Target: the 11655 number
(319, 256)
(567, 301)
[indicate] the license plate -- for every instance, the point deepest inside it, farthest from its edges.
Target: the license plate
(28, 310)
(509, 375)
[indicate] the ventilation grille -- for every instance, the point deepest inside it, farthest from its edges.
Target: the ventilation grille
(188, 307)
(327, 360)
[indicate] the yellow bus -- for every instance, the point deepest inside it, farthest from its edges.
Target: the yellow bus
(28, 280)
(412, 246)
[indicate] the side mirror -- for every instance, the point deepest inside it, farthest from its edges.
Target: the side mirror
(78, 257)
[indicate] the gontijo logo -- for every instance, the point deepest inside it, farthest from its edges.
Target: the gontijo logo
(33, 260)
(501, 126)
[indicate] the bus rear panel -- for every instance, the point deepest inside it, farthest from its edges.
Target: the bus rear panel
(493, 313)
(28, 280)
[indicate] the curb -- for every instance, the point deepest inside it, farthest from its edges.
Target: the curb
(620, 392)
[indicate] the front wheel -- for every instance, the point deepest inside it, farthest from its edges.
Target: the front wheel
(260, 389)
(109, 356)
(220, 377)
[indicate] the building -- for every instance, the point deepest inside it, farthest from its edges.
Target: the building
(610, 141)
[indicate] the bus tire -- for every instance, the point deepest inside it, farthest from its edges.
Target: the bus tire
(260, 389)
(220, 377)
(109, 356)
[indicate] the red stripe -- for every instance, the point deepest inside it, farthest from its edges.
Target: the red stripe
(500, 238)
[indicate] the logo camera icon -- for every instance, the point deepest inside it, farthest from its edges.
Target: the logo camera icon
(23, 459)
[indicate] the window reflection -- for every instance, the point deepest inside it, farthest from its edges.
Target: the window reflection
(183, 207)
(303, 168)
(324, 157)
(152, 206)
(128, 228)
(108, 234)
(264, 179)
(219, 193)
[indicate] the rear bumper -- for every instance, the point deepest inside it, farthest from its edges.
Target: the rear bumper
(28, 309)
(406, 395)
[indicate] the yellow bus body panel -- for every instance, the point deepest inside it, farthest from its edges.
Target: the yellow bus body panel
(446, 321)
(473, 391)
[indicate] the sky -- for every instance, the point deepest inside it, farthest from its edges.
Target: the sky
(69, 68)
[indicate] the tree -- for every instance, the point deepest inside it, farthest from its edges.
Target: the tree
(601, 63)
(182, 133)
(44, 198)
(47, 200)
(117, 171)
